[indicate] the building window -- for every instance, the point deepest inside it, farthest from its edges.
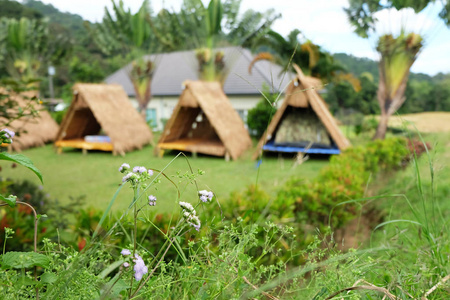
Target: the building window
(243, 114)
(151, 117)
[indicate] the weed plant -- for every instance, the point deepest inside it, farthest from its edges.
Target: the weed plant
(203, 255)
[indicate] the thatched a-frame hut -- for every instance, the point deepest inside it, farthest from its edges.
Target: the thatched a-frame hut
(303, 123)
(35, 131)
(205, 122)
(102, 109)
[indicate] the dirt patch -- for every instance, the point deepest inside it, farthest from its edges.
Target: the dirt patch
(424, 122)
(358, 231)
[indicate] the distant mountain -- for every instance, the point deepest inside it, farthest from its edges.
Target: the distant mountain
(72, 22)
(13, 9)
(359, 65)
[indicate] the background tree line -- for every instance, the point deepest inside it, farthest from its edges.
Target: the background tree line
(423, 92)
(85, 61)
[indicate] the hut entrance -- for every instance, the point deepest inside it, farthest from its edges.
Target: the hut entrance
(101, 117)
(84, 131)
(205, 122)
(300, 127)
(83, 123)
(193, 132)
(303, 123)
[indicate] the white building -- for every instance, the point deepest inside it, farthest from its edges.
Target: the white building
(172, 69)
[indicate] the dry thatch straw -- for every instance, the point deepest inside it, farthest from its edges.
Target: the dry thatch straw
(205, 122)
(302, 93)
(35, 131)
(107, 107)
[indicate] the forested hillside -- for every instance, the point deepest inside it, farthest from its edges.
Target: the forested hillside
(423, 92)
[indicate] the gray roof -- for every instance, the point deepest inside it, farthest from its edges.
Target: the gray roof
(172, 69)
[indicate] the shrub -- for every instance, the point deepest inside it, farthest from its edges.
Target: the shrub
(259, 117)
(342, 180)
(22, 218)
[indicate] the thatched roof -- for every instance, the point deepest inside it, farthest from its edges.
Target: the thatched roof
(218, 129)
(101, 106)
(302, 92)
(34, 131)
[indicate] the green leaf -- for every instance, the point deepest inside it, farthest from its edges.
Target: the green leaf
(48, 277)
(41, 216)
(20, 260)
(119, 287)
(11, 200)
(24, 280)
(111, 268)
(22, 160)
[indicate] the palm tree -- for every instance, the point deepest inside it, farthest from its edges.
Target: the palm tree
(205, 28)
(130, 35)
(397, 56)
(308, 56)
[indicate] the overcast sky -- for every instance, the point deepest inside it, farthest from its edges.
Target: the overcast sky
(322, 21)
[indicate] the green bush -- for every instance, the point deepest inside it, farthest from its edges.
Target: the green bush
(259, 117)
(58, 116)
(342, 180)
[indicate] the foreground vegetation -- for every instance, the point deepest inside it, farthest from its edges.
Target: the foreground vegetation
(75, 174)
(370, 223)
(254, 244)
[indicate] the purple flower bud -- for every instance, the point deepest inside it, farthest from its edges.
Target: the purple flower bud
(151, 200)
(125, 252)
(8, 133)
(205, 196)
(139, 169)
(127, 177)
(139, 268)
(124, 167)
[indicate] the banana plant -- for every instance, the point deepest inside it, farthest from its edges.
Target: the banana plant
(26, 47)
(130, 35)
(204, 28)
(291, 50)
(397, 56)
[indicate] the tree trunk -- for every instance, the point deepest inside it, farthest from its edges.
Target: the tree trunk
(382, 127)
(143, 111)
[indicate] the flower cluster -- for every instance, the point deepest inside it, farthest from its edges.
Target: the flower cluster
(140, 170)
(125, 252)
(138, 173)
(151, 200)
(205, 196)
(6, 136)
(139, 266)
(124, 167)
(189, 215)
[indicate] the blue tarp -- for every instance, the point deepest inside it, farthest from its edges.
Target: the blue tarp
(292, 149)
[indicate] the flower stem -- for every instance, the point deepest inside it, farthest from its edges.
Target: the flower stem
(36, 220)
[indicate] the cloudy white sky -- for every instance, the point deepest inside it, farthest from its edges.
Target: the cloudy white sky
(322, 21)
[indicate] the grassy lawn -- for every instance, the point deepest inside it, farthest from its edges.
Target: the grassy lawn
(96, 175)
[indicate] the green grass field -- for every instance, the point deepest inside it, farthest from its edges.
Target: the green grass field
(96, 175)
